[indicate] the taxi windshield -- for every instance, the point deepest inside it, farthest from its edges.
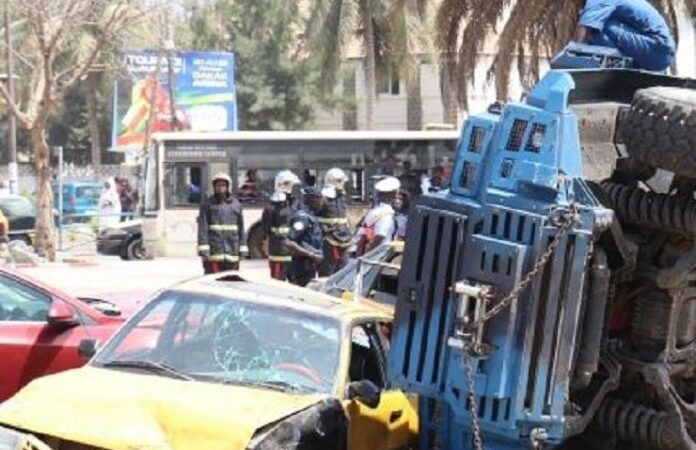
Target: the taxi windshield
(206, 338)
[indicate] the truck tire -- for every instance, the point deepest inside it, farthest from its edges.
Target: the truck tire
(661, 129)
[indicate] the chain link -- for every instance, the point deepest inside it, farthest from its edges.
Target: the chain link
(473, 406)
(539, 264)
(568, 220)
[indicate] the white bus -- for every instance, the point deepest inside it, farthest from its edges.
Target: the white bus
(178, 168)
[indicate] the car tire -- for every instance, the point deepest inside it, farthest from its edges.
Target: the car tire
(135, 250)
(661, 129)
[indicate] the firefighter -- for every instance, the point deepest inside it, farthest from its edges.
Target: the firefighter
(289, 183)
(304, 238)
(378, 224)
(275, 221)
(221, 237)
(334, 223)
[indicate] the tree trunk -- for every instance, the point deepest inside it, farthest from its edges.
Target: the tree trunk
(449, 95)
(370, 63)
(350, 110)
(414, 102)
(44, 241)
(92, 118)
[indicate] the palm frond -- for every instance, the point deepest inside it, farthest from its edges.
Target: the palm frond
(531, 28)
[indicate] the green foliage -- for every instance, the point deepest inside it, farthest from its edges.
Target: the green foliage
(276, 83)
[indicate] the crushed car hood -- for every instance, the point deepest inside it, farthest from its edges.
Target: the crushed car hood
(120, 410)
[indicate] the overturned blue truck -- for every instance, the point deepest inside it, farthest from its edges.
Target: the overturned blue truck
(549, 299)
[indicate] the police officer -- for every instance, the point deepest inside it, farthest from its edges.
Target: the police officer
(304, 238)
(275, 221)
(221, 237)
(378, 224)
(334, 223)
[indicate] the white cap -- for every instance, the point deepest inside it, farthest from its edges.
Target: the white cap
(388, 184)
(329, 192)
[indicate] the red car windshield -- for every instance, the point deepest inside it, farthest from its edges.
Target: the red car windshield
(221, 340)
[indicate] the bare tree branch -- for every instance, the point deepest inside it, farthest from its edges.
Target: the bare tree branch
(22, 118)
(120, 18)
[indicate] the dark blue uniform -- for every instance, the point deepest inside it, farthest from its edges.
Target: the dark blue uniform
(337, 236)
(275, 222)
(306, 232)
(634, 27)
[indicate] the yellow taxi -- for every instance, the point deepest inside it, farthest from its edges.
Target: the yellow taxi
(226, 361)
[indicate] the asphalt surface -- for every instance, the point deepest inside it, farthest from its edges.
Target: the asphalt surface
(109, 277)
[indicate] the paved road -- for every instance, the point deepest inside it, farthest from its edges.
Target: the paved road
(110, 276)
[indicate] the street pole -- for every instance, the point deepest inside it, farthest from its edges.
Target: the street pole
(60, 197)
(12, 122)
(170, 48)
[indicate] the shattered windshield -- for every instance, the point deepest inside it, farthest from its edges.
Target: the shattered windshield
(220, 340)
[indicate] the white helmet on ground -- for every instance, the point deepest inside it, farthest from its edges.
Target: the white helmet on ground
(336, 178)
(285, 181)
(222, 176)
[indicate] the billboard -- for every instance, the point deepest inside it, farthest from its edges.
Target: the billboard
(204, 95)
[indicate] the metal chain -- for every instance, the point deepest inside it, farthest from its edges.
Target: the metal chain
(539, 264)
(568, 220)
(473, 407)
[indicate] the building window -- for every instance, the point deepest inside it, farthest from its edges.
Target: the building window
(389, 83)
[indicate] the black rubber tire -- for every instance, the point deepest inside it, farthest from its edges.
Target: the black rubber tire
(134, 249)
(661, 129)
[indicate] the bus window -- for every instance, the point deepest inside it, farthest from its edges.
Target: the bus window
(257, 165)
(184, 183)
(350, 156)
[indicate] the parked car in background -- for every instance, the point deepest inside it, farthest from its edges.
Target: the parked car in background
(41, 328)
(226, 362)
(373, 276)
(80, 199)
(124, 239)
(21, 217)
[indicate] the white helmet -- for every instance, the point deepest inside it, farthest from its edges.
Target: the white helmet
(285, 180)
(336, 178)
(224, 177)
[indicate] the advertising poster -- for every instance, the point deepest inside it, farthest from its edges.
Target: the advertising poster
(204, 95)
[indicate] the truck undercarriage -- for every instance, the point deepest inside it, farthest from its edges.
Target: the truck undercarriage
(550, 299)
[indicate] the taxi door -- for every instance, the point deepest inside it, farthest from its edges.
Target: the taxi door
(393, 423)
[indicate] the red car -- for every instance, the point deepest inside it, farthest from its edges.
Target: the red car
(41, 328)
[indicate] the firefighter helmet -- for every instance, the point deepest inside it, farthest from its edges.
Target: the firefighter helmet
(336, 178)
(285, 180)
(221, 176)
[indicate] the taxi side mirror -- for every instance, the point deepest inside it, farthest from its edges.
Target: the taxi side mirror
(366, 392)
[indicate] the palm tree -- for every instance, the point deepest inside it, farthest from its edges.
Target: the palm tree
(407, 41)
(332, 25)
(530, 28)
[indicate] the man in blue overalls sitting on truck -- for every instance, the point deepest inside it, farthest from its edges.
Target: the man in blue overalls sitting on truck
(634, 27)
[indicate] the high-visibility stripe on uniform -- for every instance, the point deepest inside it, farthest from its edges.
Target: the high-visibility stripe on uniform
(223, 257)
(280, 231)
(278, 258)
(243, 249)
(333, 220)
(203, 248)
(222, 227)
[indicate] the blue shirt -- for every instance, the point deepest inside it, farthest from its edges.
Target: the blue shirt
(637, 14)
